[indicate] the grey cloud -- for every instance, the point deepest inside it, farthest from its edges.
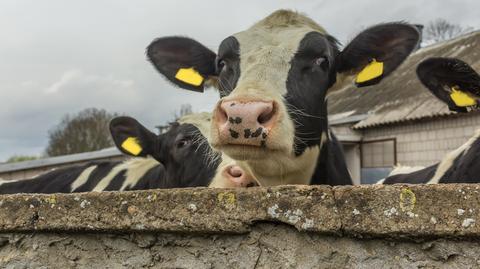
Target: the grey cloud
(59, 56)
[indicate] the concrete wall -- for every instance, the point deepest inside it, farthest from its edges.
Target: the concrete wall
(397, 226)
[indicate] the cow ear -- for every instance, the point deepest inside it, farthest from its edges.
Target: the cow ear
(377, 51)
(452, 81)
(183, 61)
(132, 138)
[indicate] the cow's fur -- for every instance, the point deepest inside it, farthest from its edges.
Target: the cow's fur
(139, 173)
(461, 165)
(290, 61)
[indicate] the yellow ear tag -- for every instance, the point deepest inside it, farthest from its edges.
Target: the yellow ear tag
(462, 99)
(189, 76)
(131, 145)
(371, 71)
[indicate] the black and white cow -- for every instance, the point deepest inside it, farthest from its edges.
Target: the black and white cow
(455, 83)
(178, 158)
(273, 79)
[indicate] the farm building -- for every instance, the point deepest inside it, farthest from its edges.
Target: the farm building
(398, 121)
(29, 169)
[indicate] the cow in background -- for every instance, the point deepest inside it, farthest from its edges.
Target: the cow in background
(179, 158)
(456, 84)
(273, 79)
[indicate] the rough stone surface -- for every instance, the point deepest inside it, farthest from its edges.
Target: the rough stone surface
(266, 246)
(176, 210)
(444, 210)
(400, 226)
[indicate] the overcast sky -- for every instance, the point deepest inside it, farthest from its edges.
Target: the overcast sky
(59, 57)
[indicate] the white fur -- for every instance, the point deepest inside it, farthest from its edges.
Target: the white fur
(266, 50)
(82, 178)
(399, 170)
(3, 181)
(448, 160)
(135, 169)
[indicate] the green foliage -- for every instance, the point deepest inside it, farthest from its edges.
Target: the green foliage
(21, 158)
(83, 132)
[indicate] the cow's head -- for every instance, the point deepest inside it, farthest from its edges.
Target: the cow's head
(273, 79)
(183, 150)
(452, 81)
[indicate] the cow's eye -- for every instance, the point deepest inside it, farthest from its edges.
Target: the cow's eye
(182, 143)
(322, 62)
(220, 64)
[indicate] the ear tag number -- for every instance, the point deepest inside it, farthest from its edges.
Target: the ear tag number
(372, 71)
(131, 145)
(462, 99)
(189, 76)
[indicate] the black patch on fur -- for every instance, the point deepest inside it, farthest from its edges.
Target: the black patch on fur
(417, 177)
(169, 54)
(439, 75)
(264, 135)
(234, 134)
(257, 132)
(248, 133)
(228, 65)
(331, 166)
(307, 85)
(390, 43)
(465, 168)
(55, 181)
(189, 165)
(263, 144)
(117, 181)
(236, 120)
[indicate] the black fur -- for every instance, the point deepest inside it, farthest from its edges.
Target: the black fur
(169, 54)
(181, 152)
(417, 177)
(436, 74)
(389, 43)
(439, 75)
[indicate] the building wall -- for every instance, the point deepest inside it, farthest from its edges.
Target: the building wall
(426, 142)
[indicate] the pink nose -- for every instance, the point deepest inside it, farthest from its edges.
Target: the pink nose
(238, 177)
(245, 123)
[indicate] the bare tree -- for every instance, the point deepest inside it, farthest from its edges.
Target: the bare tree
(440, 30)
(185, 109)
(83, 132)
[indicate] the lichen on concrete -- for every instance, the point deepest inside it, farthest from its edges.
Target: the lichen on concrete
(278, 227)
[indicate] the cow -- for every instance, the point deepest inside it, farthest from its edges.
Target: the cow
(456, 84)
(273, 80)
(179, 158)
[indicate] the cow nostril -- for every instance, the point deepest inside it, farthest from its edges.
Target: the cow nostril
(236, 172)
(266, 115)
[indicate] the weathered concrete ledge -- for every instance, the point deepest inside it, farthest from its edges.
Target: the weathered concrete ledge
(361, 211)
